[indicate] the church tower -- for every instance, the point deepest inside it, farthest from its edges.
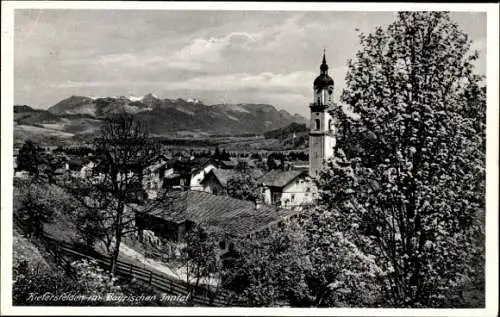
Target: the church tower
(321, 134)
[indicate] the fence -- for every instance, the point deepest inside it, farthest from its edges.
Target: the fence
(198, 295)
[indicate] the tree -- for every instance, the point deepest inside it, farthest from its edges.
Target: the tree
(110, 194)
(267, 271)
(409, 195)
(271, 161)
(305, 262)
(217, 153)
(224, 155)
(89, 223)
(39, 204)
(30, 156)
(199, 256)
(127, 149)
(33, 159)
(243, 187)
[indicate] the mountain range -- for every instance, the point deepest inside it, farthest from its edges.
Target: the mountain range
(80, 117)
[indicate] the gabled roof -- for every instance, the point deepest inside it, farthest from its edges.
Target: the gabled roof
(280, 178)
(223, 175)
(216, 213)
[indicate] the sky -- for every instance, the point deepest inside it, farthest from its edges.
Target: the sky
(267, 57)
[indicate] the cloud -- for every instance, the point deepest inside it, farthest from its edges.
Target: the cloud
(202, 52)
(240, 81)
(269, 56)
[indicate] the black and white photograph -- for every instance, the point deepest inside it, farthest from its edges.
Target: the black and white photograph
(162, 156)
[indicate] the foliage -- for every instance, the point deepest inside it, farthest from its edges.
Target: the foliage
(244, 187)
(305, 262)
(37, 162)
(29, 280)
(268, 270)
(92, 279)
(411, 193)
(200, 254)
(89, 223)
(39, 204)
(31, 155)
(55, 285)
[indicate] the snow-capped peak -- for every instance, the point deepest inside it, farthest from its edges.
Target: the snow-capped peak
(131, 97)
(135, 98)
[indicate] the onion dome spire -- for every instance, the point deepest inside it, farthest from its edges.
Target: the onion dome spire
(323, 80)
(324, 65)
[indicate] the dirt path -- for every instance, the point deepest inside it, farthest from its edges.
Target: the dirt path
(147, 263)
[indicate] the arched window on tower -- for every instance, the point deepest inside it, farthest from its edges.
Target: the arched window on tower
(330, 125)
(317, 124)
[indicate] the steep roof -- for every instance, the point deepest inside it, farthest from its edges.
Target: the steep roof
(280, 178)
(232, 216)
(223, 175)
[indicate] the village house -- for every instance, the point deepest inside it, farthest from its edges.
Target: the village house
(199, 169)
(215, 182)
(183, 173)
(288, 188)
(173, 213)
(154, 175)
(81, 167)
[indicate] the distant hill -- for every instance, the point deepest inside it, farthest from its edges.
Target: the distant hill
(286, 131)
(81, 115)
(29, 116)
(292, 136)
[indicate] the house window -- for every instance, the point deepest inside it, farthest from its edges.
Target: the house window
(317, 123)
(293, 197)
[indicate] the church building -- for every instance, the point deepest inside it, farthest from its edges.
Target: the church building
(321, 134)
(296, 188)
